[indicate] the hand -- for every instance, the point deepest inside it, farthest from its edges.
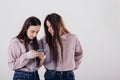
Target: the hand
(41, 56)
(35, 54)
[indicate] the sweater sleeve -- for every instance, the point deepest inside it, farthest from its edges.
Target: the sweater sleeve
(78, 54)
(17, 59)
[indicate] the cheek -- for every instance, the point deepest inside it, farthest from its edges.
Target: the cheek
(28, 34)
(49, 30)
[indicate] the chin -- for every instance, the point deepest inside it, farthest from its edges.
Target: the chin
(31, 38)
(52, 35)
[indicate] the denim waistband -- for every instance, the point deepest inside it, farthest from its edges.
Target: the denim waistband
(60, 71)
(64, 71)
(26, 72)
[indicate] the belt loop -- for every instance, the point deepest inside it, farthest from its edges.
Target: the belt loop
(28, 74)
(35, 74)
(61, 72)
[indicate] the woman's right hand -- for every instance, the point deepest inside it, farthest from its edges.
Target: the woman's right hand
(35, 54)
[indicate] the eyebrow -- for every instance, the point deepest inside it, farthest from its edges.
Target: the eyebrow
(35, 31)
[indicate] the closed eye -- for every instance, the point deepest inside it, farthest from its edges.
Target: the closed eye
(32, 31)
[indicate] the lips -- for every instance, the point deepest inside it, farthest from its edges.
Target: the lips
(32, 37)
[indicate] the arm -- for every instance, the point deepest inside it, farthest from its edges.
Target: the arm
(78, 54)
(17, 59)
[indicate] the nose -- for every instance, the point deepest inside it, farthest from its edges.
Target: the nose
(49, 29)
(35, 34)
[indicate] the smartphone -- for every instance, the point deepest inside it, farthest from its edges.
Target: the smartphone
(40, 50)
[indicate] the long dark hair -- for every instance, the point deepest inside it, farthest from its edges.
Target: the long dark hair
(31, 21)
(57, 24)
(23, 38)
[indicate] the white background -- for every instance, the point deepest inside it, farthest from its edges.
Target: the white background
(95, 22)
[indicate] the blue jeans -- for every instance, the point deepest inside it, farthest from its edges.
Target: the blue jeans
(23, 75)
(59, 75)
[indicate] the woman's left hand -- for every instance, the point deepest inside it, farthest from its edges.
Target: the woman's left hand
(41, 56)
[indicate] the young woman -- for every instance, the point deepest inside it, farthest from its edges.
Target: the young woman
(23, 55)
(62, 48)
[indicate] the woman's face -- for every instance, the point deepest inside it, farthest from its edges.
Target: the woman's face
(33, 31)
(50, 29)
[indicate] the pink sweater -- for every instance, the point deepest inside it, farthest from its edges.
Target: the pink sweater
(72, 54)
(19, 59)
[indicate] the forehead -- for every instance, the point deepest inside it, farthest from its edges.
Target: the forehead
(48, 23)
(34, 28)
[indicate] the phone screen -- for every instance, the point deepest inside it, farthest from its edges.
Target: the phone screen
(40, 50)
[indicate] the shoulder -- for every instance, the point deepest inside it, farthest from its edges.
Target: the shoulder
(38, 40)
(43, 39)
(14, 40)
(14, 43)
(71, 35)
